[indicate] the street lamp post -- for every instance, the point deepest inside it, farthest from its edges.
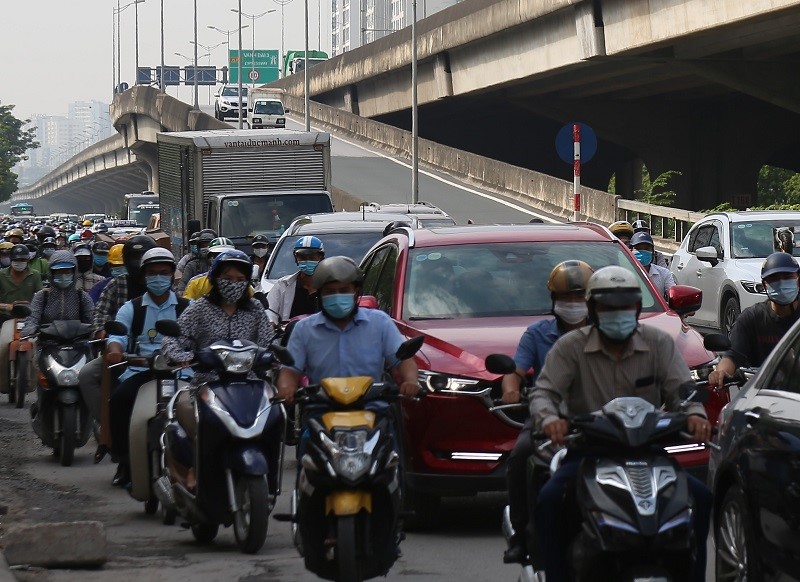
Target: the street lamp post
(136, 11)
(196, 102)
(239, 66)
(306, 98)
(228, 34)
(414, 108)
(282, 4)
(253, 17)
(161, 86)
(209, 48)
(119, 10)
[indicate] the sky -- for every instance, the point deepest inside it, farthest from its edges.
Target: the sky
(53, 52)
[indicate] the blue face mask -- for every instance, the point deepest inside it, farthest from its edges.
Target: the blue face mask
(644, 257)
(193, 249)
(617, 325)
(158, 284)
(783, 291)
(307, 267)
(118, 271)
(63, 281)
(339, 306)
(100, 260)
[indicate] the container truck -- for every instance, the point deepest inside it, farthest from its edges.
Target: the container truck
(241, 183)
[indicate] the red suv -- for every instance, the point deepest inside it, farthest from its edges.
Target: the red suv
(472, 291)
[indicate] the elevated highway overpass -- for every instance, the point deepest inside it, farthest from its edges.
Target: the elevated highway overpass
(705, 87)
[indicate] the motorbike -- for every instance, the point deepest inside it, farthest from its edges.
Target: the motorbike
(19, 359)
(347, 499)
(63, 421)
(223, 465)
(632, 513)
(149, 483)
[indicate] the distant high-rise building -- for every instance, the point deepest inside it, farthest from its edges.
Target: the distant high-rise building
(358, 22)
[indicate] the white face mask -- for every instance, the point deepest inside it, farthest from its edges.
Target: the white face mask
(571, 312)
(19, 266)
(260, 252)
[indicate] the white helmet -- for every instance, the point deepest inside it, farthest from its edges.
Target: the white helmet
(158, 255)
(614, 286)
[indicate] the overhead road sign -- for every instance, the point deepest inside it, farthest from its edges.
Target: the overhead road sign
(260, 66)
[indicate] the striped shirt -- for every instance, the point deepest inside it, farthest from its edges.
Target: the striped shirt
(580, 375)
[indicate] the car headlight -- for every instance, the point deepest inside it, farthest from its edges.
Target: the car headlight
(700, 373)
(439, 382)
(280, 120)
(256, 120)
(350, 451)
(754, 287)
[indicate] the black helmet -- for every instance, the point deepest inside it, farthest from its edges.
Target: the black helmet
(206, 235)
(640, 226)
(779, 262)
(102, 227)
(195, 236)
(259, 239)
(340, 269)
(132, 252)
(45, 232)
(20, 252)
(101, 248)
(32, 244)
(49, 241)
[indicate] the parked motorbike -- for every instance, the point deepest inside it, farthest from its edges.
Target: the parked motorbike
(63, 421)
(19, 359)
(148, 422)
(223, 452)
(347, 500)
(633, 513)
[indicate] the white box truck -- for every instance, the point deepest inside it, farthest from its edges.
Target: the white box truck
(265, 108)
(241, 183)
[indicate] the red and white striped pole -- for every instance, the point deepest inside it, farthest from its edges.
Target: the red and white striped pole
(576, 184)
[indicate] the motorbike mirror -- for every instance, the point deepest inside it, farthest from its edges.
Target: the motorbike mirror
(717, 342)
(500, 364)
(283, 355)
(20, 311)
(115, 328)
(409, 347)
(168, 327)
(693, 392)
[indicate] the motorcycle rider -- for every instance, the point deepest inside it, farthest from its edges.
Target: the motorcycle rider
(37, 263)
(139, 316)
(759, 328)
(659, 258)
(86, 277)
(62, 301)
(194, 251)
(100, 250)
(615, 356)
(260, 246)
(49, 246)
(116, 267)
(623, 230)
(199, 264)
(14, 236)
(5, 254)
(567, 286)
(644, 249)
(17, 283)
(296, 294)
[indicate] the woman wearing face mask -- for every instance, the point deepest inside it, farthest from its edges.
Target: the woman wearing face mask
(87, 278)
(567, 286)
(643, 249)
(295, 294)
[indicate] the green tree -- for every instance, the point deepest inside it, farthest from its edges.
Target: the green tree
(656, 191)
(14, 142)
(772, 186)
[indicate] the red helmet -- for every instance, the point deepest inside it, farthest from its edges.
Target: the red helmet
(87, 234)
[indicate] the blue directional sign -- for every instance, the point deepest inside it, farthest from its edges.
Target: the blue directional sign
(205, 75)
(566, 147)
(172, 75)
(144, 76)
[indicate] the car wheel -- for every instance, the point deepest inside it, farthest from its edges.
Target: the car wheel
(730, 313)
(736, 558)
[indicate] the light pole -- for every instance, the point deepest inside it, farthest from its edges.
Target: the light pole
(239, 66)
(228, 34)
(113, 52)
(414, 108)
(196, 101)
(306, 98)
(253, 17)
(136, 11)
(209, 48)
(161, 86)
(119, 10)
(282, 4)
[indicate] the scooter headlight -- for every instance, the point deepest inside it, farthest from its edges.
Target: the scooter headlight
(350, 452)
(67, 378)
(236, 361)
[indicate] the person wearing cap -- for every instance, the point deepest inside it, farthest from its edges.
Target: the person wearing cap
(199, 285)
(37, 263)
(18, 284)
(5, 254)
(139, 316)
(623, 230)
(295, 294)
(48, 247)
(100, 265)
(15, 236)
(198, 264)
(86, 277)
(261, 249)
(643, 249)
(61, 241)
(759, 328)
(587, 368)
(659, 258)
(116, 267)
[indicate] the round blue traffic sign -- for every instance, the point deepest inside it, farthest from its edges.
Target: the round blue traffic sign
(565, 144)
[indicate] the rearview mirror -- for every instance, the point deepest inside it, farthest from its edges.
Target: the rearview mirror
(168, 327)
(500, 364)
(410, 347)
(717, 342)
(694, 393)
(368, 301)
(683, 299)
(115, 328)
(708, 255)
(283, 355)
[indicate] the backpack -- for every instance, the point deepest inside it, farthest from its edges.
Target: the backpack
(139, 314)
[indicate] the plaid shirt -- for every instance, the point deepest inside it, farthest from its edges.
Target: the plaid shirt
(111, 299)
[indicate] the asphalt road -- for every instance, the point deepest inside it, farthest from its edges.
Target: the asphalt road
(468, 545)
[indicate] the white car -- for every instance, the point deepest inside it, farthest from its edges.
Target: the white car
(722, 255)
(227, 102)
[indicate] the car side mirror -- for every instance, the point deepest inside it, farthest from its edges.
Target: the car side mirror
(410, 347)
(500, 364)
(368, 301)
(168, 327)
(683, 299)
(717, 342)
(708, 255)
(216, 94)
(115, 328)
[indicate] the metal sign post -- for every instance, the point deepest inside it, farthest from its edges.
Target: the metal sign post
(576, 171)
(576, 144)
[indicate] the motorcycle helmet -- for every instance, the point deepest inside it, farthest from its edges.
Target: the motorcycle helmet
(779, 262)
(568, 277)
(621, 228)
(101, 228)
(46, 232)
(86, 223)
(158, 255)
(86, 234)
(614, 286)
(339, 269)
(133, 250)
(227, 258)
(115, 255)
(640, 226)
(307, 245)
(20, 253)
(642, 237)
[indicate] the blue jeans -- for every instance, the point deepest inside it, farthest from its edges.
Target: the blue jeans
(550, 518)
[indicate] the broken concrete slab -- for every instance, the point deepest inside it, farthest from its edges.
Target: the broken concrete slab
(78, 544)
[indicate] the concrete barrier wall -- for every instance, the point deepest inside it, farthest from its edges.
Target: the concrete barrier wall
(528, 187)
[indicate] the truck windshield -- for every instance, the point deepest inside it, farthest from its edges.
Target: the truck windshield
(141, 214)
(247, 216)
(268, 108)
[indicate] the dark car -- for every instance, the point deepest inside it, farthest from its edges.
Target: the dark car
(755, 476)
(472, 291)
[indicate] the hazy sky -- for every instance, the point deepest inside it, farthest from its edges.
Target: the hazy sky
(53, 52)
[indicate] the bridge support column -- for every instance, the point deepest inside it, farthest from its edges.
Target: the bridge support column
(149, 155)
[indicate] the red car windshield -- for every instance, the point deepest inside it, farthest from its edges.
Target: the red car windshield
(500, 279)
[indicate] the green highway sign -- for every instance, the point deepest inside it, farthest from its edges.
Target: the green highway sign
(260, 66)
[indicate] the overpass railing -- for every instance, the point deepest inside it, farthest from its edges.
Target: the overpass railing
(668, 224)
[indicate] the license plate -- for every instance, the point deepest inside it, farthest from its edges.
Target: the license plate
(168, 388)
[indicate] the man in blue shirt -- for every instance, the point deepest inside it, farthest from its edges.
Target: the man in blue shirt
(139, 316)
(343, 340)
(567, 286)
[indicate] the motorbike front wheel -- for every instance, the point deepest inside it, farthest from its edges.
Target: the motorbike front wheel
(251, 519)
(22, 378)
(68, 423)
(348, 565)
